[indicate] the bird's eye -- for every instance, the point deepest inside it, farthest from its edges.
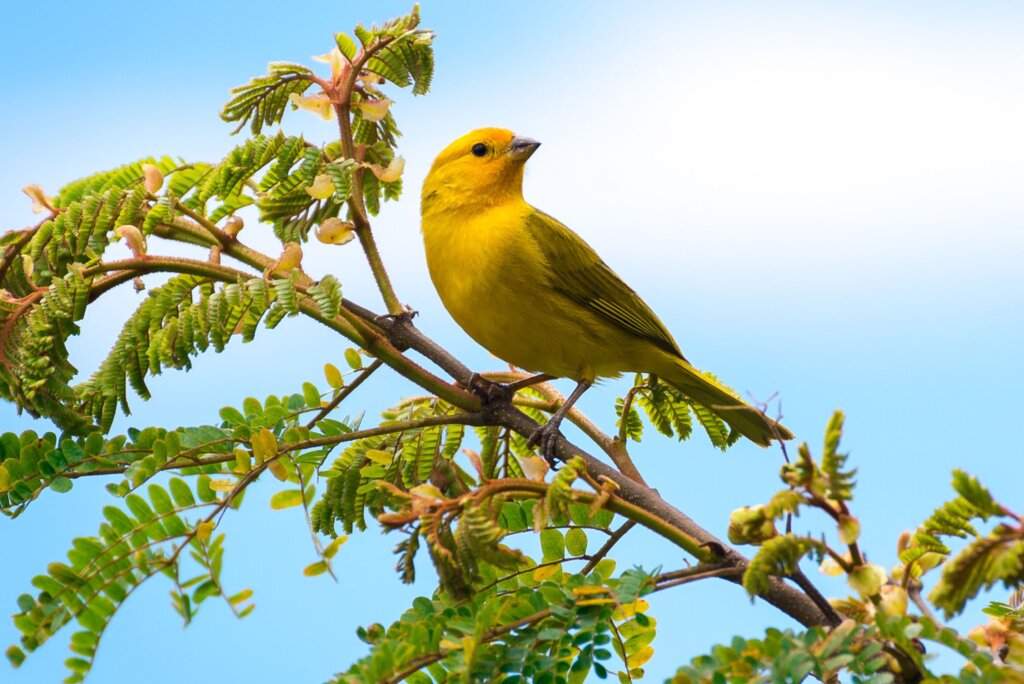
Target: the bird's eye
(479, 150)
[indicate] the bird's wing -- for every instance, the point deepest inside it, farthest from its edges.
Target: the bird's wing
(578, 273)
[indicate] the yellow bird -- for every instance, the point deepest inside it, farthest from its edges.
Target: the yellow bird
(533, 293)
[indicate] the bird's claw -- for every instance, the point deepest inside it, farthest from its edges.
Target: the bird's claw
(488, 390)
(546, 437)
(407, 315)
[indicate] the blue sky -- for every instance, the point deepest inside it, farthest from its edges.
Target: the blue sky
(819, 199)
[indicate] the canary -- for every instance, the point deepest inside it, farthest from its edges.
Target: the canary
(533, 293)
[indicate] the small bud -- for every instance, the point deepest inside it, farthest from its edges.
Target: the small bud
(334, 231)
(152, 178)
(534, 467)
(790, 474)
(320, 105)
(977, 635)
(903, 543)
(997, 630)
(893, 600)
(830, 567)
(322, 187)
(290, 258)
(233, 226)
(750, 525)
(389, 173)
(374, 110)
(849, 529)
(40, 202)
(133, 236)
(867, 579)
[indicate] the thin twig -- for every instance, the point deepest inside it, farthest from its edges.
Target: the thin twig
(607, 547)
(344, 393)
(804, 583)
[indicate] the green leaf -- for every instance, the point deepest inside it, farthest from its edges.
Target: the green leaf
(286, 499)
(232, 416)
(314, 569)
(333, 376)
(552, 544)
(311, 395)
(61, 484)
(15, 655)
(345, 45)
(576, 541)
(353, 359)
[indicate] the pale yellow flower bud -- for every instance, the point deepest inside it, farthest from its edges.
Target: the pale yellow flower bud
(40, 202)
(389, 173)
(334, 231)
(534, 467)
(750, 525)
(830, 567)
(374, 110)
(849, 529)
(290, 258)
(867, 579)
(894, 600)
(152, 178)
(322, 187)
(233, 226)
(392, 171)
(978, 636)
(135, 239)
(318, 104)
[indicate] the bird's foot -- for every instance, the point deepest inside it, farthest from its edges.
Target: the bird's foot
(403, 317)
(546, 437)
(488, 390)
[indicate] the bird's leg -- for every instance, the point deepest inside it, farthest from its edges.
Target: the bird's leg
(547, 435)
(528, 382)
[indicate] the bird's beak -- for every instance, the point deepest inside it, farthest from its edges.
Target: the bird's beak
(521, 148)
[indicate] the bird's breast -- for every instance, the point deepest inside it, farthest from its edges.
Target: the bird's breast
(497, 285)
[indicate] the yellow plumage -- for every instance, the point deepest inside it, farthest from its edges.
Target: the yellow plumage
(533, 293)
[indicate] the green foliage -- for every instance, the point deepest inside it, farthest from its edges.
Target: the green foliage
(779, 557)
(262, 101)
(986, 560)
(788, 656)
(838, 482)
(149, 534)
(866, 653)
(670, 412)
(558, 630)
(667, 409)
(137, 542)
(405, 459)
(400, 51)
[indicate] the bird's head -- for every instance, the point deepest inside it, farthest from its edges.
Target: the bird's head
(484, 166)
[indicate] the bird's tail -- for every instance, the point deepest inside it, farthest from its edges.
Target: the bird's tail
(741, 416)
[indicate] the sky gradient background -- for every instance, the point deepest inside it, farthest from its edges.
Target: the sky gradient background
(819, 199)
